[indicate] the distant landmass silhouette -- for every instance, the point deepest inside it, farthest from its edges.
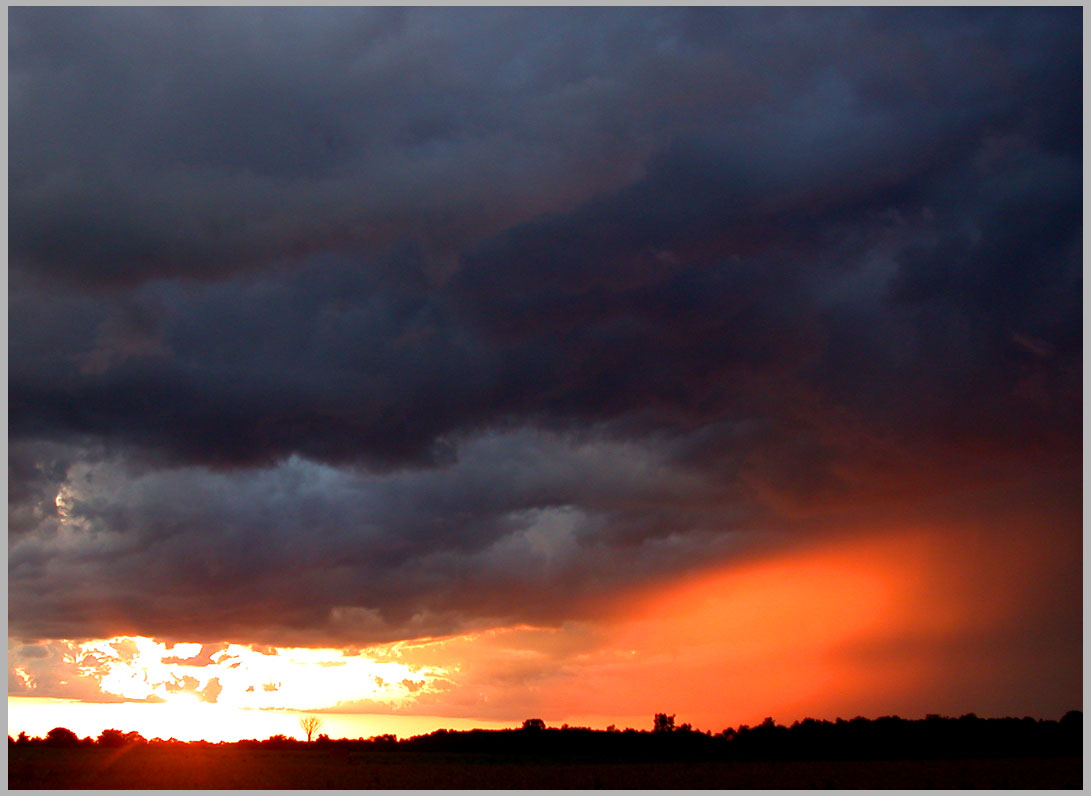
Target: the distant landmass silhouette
(886, 752)
(884, 738)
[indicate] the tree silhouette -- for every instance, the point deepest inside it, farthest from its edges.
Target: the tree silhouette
(663, 723)
(111, 738)
(117, 738)
(310, 725)
(534, 724)
(61, 736)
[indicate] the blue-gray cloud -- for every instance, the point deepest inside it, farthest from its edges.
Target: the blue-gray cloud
(357, 323)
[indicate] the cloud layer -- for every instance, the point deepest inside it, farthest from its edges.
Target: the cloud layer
(340, 326)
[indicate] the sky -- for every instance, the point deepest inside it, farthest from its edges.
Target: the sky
(422, 367)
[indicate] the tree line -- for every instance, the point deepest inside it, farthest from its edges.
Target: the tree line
(884, 738)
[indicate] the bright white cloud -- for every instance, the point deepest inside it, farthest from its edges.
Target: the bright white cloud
(140, 668)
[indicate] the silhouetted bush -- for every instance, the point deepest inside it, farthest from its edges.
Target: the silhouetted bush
(280, 742)
(117, 738)
(61, 737)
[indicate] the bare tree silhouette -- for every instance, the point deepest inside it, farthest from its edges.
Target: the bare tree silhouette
(310, 725)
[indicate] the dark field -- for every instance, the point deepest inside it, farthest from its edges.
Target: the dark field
(187, 768)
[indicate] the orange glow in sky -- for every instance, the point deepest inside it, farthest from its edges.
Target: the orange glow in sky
(777, 637)
(851, 627)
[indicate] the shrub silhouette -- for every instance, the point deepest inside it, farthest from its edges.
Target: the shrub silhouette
(116, 738)
(61, 737)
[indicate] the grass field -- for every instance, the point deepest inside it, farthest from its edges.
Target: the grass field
(192, 768)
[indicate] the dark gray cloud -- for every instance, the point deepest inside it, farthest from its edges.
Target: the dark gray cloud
(199, 142)
(357, 323)
(320, 550)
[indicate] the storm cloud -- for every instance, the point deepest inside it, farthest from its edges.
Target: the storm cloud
(340, 326)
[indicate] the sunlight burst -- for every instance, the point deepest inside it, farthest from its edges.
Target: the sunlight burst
(236, 675)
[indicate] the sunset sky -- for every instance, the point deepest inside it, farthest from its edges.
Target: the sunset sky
(436, 367)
